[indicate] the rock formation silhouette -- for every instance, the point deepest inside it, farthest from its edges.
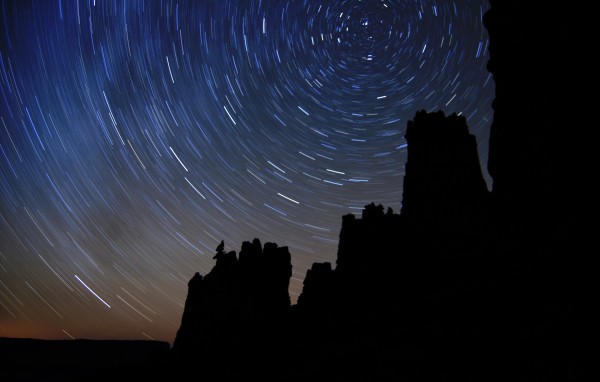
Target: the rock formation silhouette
(398, 277)
(240, 304)
(444, 190)
(464, 283)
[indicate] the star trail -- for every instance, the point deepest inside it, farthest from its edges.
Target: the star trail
(135, 136)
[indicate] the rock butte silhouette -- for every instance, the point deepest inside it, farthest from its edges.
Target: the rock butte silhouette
(462, 284)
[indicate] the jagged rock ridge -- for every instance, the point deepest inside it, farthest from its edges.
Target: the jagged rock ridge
(236, 301)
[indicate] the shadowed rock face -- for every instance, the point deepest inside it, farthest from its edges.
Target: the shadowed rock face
(539, 139)
(539, 157)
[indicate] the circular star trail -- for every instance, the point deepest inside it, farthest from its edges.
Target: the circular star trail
(135, 136)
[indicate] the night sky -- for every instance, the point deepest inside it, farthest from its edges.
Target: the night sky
(136, 135)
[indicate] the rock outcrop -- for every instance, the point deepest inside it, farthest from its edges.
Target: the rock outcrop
(240, 304)
(444, 193)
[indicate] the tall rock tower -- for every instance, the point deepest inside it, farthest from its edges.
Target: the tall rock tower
(445, 194)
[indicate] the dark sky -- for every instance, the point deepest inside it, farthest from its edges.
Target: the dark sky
(136, 135)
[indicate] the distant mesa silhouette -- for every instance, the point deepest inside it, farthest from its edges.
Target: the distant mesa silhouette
(30, 360)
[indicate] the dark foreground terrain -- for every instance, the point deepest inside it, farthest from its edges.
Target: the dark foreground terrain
(78, 360)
